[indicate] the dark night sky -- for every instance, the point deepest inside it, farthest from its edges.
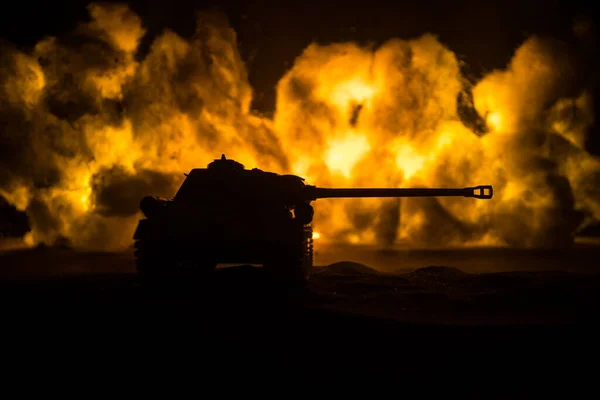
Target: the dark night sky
(271, 34)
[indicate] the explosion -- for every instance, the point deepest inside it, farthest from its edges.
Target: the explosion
(88, 129)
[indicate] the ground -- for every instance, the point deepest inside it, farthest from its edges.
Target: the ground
(409, 312)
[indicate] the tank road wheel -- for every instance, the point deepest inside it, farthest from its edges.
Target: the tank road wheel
(148, 264)
(285, 264)
(156, 261)
(291, 263)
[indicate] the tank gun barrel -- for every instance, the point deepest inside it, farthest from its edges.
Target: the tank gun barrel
(478, 192)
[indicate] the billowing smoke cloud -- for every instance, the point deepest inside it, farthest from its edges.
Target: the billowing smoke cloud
(87, 130)
(388, 117)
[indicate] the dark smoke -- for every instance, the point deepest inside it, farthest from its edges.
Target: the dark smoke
(118, 192)
(388, 222)
(88, 126)
(87, 129)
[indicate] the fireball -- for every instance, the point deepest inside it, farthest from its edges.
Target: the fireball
(92, 129)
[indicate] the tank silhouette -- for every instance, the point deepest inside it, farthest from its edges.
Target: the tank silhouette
(227, 214)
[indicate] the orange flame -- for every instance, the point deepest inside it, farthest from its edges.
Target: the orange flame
(345, 116)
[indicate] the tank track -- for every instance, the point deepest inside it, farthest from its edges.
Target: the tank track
(155, 260)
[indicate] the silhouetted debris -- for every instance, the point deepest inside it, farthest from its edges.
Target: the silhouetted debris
(13, 223)
(592, 230)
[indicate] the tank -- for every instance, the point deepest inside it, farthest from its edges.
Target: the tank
(227, 214)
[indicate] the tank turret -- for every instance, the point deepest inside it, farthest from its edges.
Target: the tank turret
(226, 213)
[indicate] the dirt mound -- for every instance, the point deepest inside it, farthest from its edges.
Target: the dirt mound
(348, 268)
